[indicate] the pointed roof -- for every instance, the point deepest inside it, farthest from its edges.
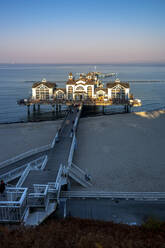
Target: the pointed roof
(101, 89)
(112, 84)
(60, 89)
(48, 84)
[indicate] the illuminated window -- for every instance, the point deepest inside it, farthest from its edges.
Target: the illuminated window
(60, 95)
(70, 92)
(79, 88)
(42, 93)
(89, 92)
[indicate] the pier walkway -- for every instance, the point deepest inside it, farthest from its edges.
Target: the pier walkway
(41, 176)
(56, 156)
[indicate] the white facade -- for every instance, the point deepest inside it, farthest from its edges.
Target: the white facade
(80, 89)
(101, 93)
(43, 90)
(59, 94)
(118, 91)
(88, 87)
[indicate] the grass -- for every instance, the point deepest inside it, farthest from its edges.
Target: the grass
(80, 233)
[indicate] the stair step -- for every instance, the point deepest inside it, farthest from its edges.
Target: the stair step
(81, 181)
(38, 216)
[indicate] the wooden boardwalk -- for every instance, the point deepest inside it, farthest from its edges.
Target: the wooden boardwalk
(56, 156)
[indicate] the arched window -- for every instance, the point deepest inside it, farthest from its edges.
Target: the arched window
(60, 94)
(42, 93)
(89, 91)
(100, 93)
(70, 92)
(79, 88)
(118, 92)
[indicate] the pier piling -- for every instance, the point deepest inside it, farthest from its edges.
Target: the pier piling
(57, 108)
(53, 109)
(126, 108)
(28, 109)
(103, 109)
(60, 107)
(34, 107)
(38, 108)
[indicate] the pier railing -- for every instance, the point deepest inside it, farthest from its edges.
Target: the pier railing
(114, 195)
(70, 158)
(73, 145)
(39, 164)
(17, 172)
(44, 163)
(24, 175)
(87, 101)
(58, 178)
(30, 152)
(35, 150)
(13, 205)
(39, 198)
(25, 155)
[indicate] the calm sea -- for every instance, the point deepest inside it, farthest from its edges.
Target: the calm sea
(16, 82)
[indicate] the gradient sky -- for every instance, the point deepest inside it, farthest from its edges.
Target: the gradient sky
(82, 31)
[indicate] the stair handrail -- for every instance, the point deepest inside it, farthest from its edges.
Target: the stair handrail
(58, 178)
(79, 169)
(24, 175)
(24, 155)
(15, 173)
(44, 162)
(71, 151)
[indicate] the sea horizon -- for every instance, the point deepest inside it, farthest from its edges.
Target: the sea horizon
(87, 63)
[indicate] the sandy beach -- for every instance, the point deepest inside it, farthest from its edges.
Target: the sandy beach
(21, 137)
(123, 152)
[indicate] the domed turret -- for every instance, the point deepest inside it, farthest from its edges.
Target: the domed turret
(117, 80)
(70, 76)
(44, 80)
(89, 76)
(81, 76)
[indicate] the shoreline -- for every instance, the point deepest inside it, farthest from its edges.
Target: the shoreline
(85, 116)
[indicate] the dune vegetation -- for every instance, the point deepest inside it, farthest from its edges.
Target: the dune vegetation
(80, 233)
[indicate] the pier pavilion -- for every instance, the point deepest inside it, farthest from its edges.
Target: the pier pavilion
(81, 89)
(43, 90)
(87, 90)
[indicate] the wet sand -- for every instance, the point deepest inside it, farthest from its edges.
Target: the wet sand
(21, 137)
(123, 152)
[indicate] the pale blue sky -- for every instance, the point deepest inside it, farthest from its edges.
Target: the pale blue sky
(107, 31)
